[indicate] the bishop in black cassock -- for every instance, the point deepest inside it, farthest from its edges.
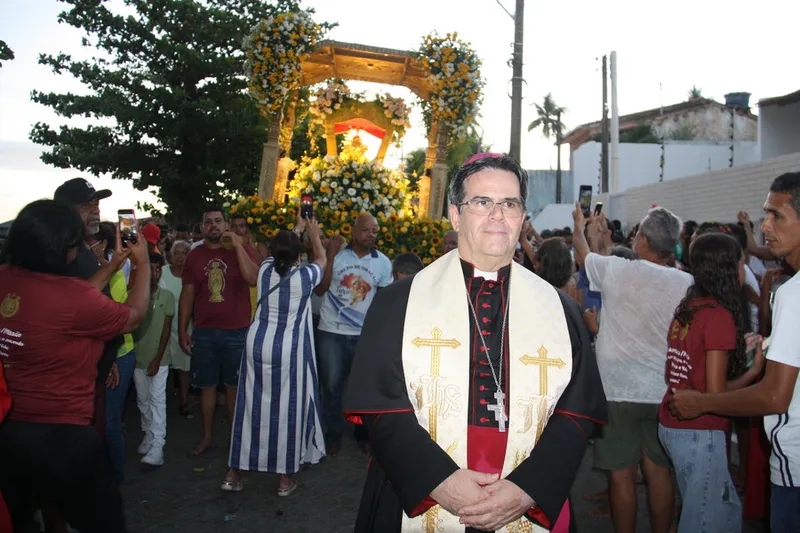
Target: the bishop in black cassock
(412, 419)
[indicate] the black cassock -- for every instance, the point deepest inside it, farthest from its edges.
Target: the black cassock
(407, 465)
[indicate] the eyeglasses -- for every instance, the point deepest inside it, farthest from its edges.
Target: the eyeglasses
(483, 206)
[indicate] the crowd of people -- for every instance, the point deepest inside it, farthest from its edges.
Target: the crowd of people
(680, 332)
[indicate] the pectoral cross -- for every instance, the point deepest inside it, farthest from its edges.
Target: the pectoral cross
(499, 410)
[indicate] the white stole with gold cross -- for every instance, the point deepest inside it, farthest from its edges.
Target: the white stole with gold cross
(436, 359)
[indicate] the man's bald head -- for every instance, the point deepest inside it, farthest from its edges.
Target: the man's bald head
(365, 232)
(450, 241)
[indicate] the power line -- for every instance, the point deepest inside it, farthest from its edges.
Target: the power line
(504, 9)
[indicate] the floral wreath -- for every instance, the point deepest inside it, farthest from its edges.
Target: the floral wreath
(454, 76)
(275, 49)
(330, 97)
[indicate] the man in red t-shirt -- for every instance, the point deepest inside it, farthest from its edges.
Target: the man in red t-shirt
(216, 294)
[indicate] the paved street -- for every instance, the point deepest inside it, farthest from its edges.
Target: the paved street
(184, 494)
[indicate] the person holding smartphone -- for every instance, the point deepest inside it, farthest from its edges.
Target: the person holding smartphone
(52, 330)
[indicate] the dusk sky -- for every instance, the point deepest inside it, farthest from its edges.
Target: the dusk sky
(718, 46)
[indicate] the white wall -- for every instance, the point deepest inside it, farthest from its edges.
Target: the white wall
(554, 216)
(639, 163)
(711, 196)
(780, 130)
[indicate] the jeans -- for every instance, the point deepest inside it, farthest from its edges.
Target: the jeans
(785, 512)
(151, 396)
(115, 400)
(334, 356)
(710, 502)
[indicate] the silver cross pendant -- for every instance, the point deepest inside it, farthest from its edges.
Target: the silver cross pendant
(499, 410)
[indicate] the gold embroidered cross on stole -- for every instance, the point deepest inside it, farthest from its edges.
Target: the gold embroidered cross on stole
(542, 362)
(436, 343)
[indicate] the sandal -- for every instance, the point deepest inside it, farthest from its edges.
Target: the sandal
(186, 413)
(288, 490)
(232, 486)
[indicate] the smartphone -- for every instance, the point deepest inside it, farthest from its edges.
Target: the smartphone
(307, 206)
(585, 199)
(598, 208)
(127, 225)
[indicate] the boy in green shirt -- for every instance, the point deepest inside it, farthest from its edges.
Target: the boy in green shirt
(152, 368)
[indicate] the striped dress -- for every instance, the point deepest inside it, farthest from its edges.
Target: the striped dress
(277, 425)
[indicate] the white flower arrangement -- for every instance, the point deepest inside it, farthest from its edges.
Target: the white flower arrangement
(354, 185)
(275, 48)
(455, 79)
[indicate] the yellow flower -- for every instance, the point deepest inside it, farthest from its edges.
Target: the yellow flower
(280, 220)
(259, 204)
(346, 229)
(426, 260)
(249, 220)
(290, 226)
(234, 209)
(258, 221)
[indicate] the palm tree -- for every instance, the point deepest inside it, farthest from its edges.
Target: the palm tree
(695, 93)
(549, 120)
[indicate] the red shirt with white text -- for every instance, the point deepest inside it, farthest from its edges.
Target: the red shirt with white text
(712, 328)
(52, 331)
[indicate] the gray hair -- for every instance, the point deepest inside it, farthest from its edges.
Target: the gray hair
(187, 244)
(662, 229)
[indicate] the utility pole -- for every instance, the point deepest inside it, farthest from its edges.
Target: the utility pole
(516, 82)
(604, 131)
(558, 162)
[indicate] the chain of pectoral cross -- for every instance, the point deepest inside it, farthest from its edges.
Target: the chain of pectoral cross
(499, 408)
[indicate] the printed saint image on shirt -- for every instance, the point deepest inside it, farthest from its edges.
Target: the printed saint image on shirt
(215, 272)
(359, 288)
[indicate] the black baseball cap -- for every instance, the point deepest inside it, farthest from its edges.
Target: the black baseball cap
(78, 191)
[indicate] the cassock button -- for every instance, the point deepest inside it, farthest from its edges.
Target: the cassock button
(486, 306)
(484, 374)
(483, 349)
(483, 388)
(486, 320)
(486, 332)
(484, 420)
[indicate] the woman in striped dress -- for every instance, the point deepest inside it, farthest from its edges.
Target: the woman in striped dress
(276, 425)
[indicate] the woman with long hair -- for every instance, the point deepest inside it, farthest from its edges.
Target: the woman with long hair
(276, 424)
(53, 329)
(554, 264)
(707, 353)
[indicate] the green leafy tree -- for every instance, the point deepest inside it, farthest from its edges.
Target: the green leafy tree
(6, 53)
(549, 121)
(168, 84)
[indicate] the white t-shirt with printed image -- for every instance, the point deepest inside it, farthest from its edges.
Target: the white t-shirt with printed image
(354, 282)
(783, 430)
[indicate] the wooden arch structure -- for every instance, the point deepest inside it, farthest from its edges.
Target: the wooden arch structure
(333, 59)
